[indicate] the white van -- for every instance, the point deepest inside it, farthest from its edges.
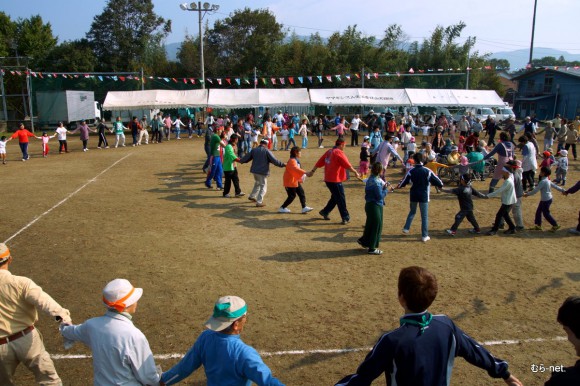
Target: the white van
(477, 112)
(503, 113)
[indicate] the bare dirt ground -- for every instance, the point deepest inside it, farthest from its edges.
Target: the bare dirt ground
(309, 286)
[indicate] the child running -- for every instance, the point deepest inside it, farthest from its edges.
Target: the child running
(545, 200)
(3, 149)
(464, 194)
(293, 177)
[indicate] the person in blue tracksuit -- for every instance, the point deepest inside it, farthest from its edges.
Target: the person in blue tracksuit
(422, 350)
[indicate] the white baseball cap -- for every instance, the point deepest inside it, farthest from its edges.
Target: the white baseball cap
(120, 294)
(226, 310)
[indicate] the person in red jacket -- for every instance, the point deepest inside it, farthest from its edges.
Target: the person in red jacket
(293, 177)
(22, 134)
(335, 164)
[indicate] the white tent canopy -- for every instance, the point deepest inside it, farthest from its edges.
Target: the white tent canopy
(431, 97)
(258, 97)
(152, 99)
(359, 96)
(478, 98)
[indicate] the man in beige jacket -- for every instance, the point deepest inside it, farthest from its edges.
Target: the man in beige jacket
(20, 342)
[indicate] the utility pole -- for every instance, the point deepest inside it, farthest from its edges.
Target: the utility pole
(468, 57)
(255, 77)
(533, 30)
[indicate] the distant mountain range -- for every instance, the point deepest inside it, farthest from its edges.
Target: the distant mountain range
(518, 58)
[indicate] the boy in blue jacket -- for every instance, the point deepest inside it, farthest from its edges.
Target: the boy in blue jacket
(422, 350)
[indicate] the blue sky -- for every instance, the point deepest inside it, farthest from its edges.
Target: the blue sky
(500, 25)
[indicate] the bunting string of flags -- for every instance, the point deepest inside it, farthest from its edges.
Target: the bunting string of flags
(284, 80)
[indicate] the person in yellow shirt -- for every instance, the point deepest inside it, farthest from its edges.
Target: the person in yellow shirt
(20, 342)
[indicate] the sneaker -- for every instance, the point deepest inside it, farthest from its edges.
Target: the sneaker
(227, 196)
(85, 149)
(219, 188)
(260, 204)
(284, 210)
(574, 231)
(375, 252)
(306, 209)
(536, 228)
(344, 222)
(425, 239)
(475, 231)
(252, 199)
(519, 229)
(555, 228)
(98, 147)
(405, 232)
(241, 194)
(509, 232)
(491, 233)
(359, 242)
(324, 215)
(450, 232)
(321, 147)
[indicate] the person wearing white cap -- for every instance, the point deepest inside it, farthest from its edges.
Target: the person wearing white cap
(20, 341)
(226, 359)
(121, 353)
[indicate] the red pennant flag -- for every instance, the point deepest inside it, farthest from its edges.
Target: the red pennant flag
(219, 81)
(329, 78)
(421, 71)
(411, 71)
(291, 80)
(185, 80)
(173, 79)
(192, 80)
(123, 79)
(376, 74)
(487, 67)
(40, 74)
(273, 80)
(357, 76)
(229, 81)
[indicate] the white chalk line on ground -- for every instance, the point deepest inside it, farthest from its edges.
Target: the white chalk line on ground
(328, 351)
(64, 200)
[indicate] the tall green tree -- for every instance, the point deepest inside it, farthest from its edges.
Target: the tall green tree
(34, 39)
(121, 35)
(244, 40)
(7, 34)
(70, 56)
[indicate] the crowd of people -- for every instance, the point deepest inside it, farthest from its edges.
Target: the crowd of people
(420, 352)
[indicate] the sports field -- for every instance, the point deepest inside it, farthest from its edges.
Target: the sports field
(317, 302)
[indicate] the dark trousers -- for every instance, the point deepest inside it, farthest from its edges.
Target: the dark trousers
(544, 209)
(156, 135)
(491, 134)
(573, 149)
(503, 212)
(337, 198)
(85, 143)
(463, 214)
(232, 176)
(528, 178)
(292, 193)
(102, 140)
(373, 226)
(135, 135)
(354, 138)
(24, 150)
(62, 146)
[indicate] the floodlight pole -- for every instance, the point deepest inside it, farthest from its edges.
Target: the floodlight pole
(533, 30)
(201, 13)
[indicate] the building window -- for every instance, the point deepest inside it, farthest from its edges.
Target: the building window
(548, 83)
(531, 85)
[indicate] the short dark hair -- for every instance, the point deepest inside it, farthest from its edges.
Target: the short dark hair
(294, 151)
(503, 136)
(545, 170)
(418, 158)
(569, 314)
(339, 142)
(418, 287)
(377, 168)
